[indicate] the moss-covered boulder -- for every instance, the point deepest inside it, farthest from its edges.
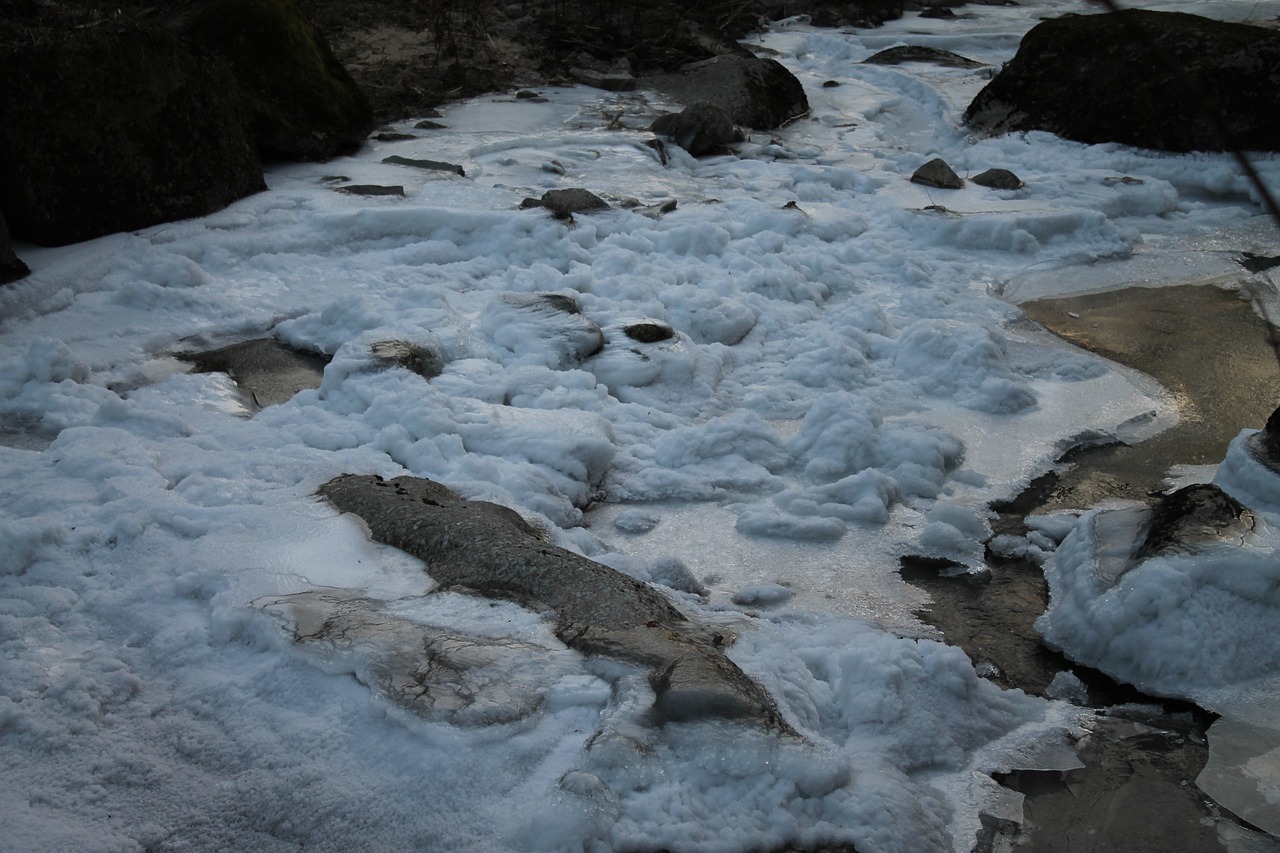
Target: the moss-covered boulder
(111, 128)
(1163, 80)
(11, 266)
(302, 103)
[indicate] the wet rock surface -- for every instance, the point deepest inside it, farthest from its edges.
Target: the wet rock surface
(1265, 445)
(998, 179)
(1192, 517)
(486, 549)
(265, 370)
(566, 202)
(1163, 80)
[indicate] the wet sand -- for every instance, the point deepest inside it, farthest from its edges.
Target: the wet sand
(1204, 344)
(1209, 349)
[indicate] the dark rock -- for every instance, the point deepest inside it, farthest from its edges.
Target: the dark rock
(428, 124)
(531, 96)
(936, 173)
(112, 129)
(1266, 444)
(371, 189)
(566, 202)
(302, 103)
(485, 549)
(423, 361)
(11, 266)
(393, 136)
(937, 12)
(649, 332)
(429, 165)
(830, 84)
(998, 179)
(700, 128)
(918, 53)
(1149, 79)
(1192, 516)
(757, 93)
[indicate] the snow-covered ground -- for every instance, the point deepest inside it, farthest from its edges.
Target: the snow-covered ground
(849, 381)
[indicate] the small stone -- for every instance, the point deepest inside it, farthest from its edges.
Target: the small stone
(393, 136)
(428, 124)
(936, 173)
(421, 360)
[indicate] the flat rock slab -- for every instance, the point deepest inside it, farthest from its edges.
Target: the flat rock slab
(486, 549)
(428, 165)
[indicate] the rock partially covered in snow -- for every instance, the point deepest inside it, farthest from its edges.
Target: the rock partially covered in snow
(487, 549)
(564, 203)
(545, 328)
(998, 179)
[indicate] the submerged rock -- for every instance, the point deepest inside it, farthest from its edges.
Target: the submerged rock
(265, 370)
(434, 671)
(549, 324)
(486, 549)
(1150, 79)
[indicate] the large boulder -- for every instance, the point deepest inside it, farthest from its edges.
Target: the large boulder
(109, 128)
(757, 93)
(302, 103)
(1149, 79)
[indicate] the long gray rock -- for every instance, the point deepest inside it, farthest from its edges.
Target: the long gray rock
(486, 549)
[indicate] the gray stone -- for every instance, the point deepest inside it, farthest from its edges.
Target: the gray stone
(936, 173)
(566, 202)
(998, 179)
(485, 549)
(699, 129)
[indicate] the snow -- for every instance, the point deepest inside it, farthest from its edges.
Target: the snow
(843, 386)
